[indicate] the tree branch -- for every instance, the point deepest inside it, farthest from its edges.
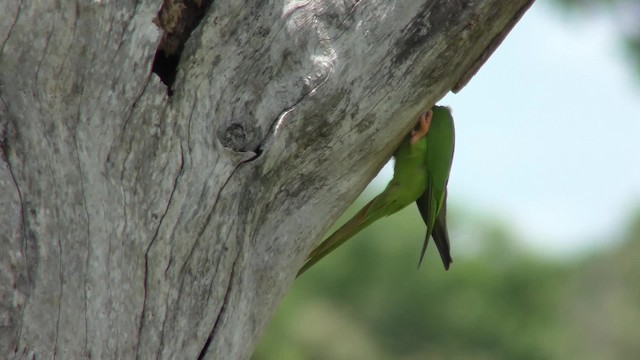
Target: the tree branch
(140, 224)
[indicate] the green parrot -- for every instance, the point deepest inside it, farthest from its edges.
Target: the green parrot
(420, 174)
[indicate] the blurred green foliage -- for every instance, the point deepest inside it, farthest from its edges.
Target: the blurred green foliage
(368, 301)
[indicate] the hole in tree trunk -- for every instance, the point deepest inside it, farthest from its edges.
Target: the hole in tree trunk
(177, 18)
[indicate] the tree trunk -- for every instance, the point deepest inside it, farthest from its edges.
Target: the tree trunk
(139, 222)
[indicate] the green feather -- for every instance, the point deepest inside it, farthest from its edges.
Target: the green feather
(433, 203)
(420, 174)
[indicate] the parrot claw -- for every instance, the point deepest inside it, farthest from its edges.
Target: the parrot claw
(425, 123)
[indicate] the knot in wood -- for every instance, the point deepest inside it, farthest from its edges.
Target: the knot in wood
(234, 137)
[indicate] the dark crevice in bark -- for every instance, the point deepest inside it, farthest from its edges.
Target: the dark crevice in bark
(146, 253)
(5, 149)
(13, 24)
(50, 165)
(225, 302)
(279, 121)
(177, 18)
(4, 138)
(88, 227)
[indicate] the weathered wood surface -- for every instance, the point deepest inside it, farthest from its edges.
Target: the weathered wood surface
(137, 225)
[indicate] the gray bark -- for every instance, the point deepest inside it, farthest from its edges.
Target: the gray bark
(138, 225)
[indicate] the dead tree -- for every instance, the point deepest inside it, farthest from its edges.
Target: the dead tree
(164, 176)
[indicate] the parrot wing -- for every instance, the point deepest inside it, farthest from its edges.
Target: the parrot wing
(438, 230)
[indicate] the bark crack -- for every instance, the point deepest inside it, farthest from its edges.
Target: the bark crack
(24, 239)
(67, 53)
(225, 302)
(55, 192)
(84, 197)
(188, 259)
(125, 123)
(146, 253)
(194, 246)
(278, 121)
(15, 20)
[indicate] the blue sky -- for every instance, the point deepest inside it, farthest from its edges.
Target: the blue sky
(548, 133)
